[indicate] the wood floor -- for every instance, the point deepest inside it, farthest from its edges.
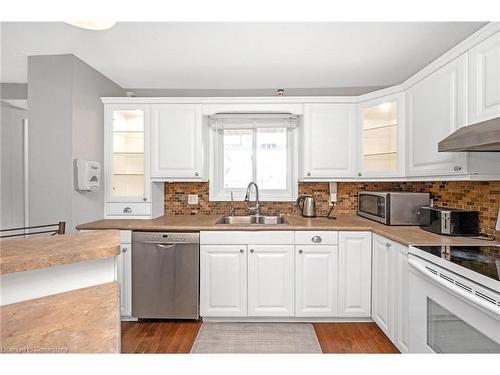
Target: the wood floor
(353, 338)
(178, 337)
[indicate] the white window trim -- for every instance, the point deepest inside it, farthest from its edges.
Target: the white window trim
(217, 193)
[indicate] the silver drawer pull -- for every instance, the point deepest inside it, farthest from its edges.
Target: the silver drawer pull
(252, 250)
(300, 251)
(316, 239)
(124, 250)
(242, 251)
(127, 210)
(388, 244)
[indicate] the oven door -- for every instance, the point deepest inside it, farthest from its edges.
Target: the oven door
(446, 319)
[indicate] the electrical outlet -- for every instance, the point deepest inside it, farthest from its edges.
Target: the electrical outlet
(192, 199)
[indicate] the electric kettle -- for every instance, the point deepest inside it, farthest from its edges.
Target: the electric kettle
(307, 205)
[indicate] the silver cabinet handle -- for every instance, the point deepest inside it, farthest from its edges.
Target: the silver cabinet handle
(360, 174)
(316, 239)
(388, 244)
(127, 210)
(308, 173)
(252, 250)
(300, 251)
(242, 251)
(165, 246)
(124, 250)
(144, 199)
(196, 173)
(457, 168)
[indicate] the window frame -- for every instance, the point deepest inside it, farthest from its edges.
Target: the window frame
(217, 192)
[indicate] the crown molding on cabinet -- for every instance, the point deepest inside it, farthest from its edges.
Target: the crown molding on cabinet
(231, 100)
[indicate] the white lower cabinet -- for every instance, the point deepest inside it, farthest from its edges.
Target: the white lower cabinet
(316, 280)
(270, 280)
(223, 290)
(355, 263)
(306, 274)
(124, 273)
(390, 290)
(382, 285)
(401, 296)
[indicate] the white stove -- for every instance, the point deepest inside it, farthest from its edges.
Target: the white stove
(454, 299)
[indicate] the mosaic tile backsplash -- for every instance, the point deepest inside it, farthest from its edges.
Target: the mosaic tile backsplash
(481, 196)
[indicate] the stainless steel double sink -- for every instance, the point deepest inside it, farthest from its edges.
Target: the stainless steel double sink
(252, 219)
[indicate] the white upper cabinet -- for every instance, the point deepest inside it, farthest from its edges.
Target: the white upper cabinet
(381, 137)
(176, 141)
(329, 141)
(355, 264)
(484, 80)
(436, 107)
(270, 280)
(126, 146)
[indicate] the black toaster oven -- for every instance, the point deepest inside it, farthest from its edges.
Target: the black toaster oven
(449, 221)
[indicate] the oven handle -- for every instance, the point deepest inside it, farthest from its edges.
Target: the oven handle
(445, 284)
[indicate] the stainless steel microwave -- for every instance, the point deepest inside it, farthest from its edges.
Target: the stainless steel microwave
(391, 208)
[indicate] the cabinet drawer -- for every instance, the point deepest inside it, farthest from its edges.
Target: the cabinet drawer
(128, 209)
(317, 238)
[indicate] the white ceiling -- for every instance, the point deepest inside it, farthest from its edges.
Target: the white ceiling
(239, 55)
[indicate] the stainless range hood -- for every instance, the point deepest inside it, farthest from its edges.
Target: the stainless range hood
(483, 136)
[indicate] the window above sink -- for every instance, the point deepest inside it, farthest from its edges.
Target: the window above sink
(254, 147)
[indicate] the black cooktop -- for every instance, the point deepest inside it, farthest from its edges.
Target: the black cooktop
(481, 259)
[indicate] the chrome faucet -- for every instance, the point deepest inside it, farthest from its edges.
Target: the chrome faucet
(232, 210)
(256, 208)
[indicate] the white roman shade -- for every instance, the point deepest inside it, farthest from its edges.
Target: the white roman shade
(221, 121)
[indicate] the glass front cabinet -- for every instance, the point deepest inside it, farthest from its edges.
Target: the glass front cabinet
(126, 159)
(381, 137)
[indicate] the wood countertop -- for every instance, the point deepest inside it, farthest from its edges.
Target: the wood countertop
(18, 255)
(81, 321)
(406, 235)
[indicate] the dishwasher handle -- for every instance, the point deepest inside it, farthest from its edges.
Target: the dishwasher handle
(166, 246)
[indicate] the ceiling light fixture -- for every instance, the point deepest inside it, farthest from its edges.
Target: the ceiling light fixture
(93, 25)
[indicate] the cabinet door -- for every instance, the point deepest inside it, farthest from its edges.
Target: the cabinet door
(176, 141)
(401, 295)
(484, 80)
(124, 278)
(223, 289)
(126, 153)
(382, 284)
(270, 280)
(436, 108)
(316, 281)
(329, 148)
(355, 263)
(381, 136)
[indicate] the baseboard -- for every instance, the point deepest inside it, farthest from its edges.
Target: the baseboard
(286, 320)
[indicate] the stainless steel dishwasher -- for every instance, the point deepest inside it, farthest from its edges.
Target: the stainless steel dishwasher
(165, 275)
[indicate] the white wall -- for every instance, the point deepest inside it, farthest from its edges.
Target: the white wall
(65, 122)
(12, 166)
